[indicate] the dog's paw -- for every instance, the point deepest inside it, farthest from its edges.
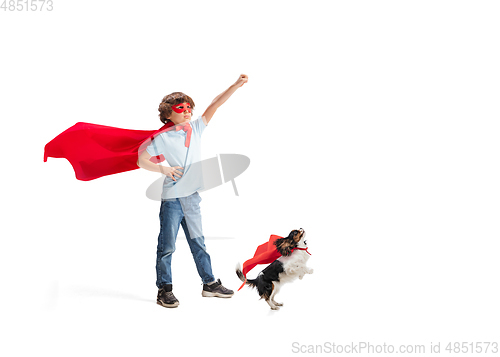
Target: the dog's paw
(278, 303)
(275, 308)
(311, 271)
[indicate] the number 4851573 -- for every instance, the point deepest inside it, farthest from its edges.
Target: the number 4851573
(27, 5)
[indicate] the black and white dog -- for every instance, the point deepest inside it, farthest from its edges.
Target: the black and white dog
(290, 266)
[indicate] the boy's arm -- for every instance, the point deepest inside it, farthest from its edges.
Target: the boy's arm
(221, 98)
(145, 163)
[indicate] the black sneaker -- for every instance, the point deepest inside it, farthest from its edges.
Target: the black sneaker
(166, 297)
(216, 289)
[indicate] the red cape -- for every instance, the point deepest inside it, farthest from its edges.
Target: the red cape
(97, 150)
(265, 253)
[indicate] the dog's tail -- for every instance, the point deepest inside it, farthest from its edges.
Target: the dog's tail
(249, 282)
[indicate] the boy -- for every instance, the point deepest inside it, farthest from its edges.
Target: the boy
(180, 199)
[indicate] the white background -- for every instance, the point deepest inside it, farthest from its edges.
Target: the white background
(373, 125)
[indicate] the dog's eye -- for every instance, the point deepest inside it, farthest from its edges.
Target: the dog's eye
(305, 242)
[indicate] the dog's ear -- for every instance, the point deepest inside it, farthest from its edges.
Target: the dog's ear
(284, 245)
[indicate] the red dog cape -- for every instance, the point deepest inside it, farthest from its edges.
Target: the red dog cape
(265, 253)
(97, 150)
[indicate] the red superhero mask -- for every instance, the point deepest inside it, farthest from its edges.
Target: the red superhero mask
(179, 108)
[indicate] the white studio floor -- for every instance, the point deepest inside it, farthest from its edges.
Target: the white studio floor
(99, 308)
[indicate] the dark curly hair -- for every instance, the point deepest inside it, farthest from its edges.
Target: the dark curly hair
(168, 101)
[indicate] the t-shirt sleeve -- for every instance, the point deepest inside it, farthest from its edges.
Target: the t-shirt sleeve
(156, 147)
(198, 125)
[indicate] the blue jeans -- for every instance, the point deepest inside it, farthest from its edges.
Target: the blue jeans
(172, 215)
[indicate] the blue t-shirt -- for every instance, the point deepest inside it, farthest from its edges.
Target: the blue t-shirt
(172, 145)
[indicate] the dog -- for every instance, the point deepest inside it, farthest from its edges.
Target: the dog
(290, 266)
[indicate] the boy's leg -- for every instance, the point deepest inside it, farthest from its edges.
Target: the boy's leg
(200, 255)
(170, 219)
(191, 224)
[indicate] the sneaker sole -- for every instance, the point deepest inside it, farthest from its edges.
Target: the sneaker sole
(166, 305)
(209, 294)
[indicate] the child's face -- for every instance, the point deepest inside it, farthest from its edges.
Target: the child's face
(181, 113)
